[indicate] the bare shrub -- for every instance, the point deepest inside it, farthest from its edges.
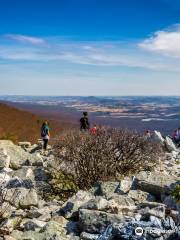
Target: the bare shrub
(105, 156)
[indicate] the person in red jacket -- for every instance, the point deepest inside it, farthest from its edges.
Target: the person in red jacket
(93, 130)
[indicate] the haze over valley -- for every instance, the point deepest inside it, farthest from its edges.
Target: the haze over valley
(136, 113)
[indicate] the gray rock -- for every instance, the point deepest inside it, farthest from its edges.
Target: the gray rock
(8, 225)
(106, 189)
(157, 212)
(4, 159)
(29, 199)
(170, 145)
(159, 137)
(4, 176)
(42, 214)
(6, 210)
(42, 187)
(125, 185)
(21, 197)
(156, 221)
(70, 208)
(97, 203)
(88, 236)
(24, 173)
(155, 183)
(175, 216)
(169, 223)
(35, 159)
(18, 156)
(31, 224)
(24, 145)
(28, 235)
(140, 196)
(95, 222)
(122, 200)
(171, 203)
(55, 230)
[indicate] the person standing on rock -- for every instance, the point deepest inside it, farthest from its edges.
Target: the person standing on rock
(45, 134)
(84, 122)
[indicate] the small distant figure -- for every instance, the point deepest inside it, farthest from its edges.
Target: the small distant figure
(84, 122)
(93, 130)
(176, 136)
(45, 134)
(148, 134)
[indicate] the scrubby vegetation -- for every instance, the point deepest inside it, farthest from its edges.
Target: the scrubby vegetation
(176, 193)
(108, 155)
(62, 185)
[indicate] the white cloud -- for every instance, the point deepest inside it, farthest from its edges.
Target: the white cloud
(164, 42)
(26, 39)
(107, 54)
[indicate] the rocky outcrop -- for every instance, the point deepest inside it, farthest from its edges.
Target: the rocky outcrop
(135, 207)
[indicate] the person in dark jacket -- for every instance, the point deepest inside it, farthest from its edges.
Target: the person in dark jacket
(45, 134)
(84, 122)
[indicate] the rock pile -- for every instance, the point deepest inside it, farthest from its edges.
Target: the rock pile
(137, 207)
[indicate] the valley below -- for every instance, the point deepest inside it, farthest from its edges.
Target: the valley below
(134, 113)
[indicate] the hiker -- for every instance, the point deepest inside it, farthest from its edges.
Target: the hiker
(176, 136)
(84, 122)
(147, 134)
(45, 134)
(93, 130)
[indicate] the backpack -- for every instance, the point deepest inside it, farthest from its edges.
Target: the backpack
(43, 131)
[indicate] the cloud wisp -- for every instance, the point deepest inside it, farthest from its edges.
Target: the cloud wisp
(26, 39)
(160, 52)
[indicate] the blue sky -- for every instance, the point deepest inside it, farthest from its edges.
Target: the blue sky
(90, 47)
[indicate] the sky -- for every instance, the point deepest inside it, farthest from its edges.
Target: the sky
(90, 47)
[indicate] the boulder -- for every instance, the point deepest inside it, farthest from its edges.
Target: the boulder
(54, 230)
(31, 224)
(71, 206)
(158, 212)
(6, 210)
(4, 159)
(159, 137)
(121, 204)
(24, 145)
(7, 237)
(35, 159)
(97, 203)
(125, 185)
(25, 172)
(21, 197)
(155, 183)
(122, 200)
(8, 225)
(29, 199)
(171, 203)
(42, 214)
(170, 145)
(89, 236)
(18, 156)
(4, 176)
(28, 235)
(93, 221)
(105, 189)
(175, 216)
(139, 196)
